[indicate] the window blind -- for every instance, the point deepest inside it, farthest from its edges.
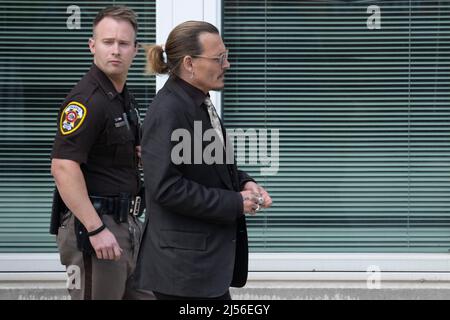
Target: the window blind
(360, 94)
(43, 54)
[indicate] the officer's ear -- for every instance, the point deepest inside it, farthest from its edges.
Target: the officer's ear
(137, 46)
(92, 45)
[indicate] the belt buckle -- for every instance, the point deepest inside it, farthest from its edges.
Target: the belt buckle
(136, 205)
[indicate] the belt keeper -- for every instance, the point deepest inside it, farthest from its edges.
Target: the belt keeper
(132, 207)
(96, 231)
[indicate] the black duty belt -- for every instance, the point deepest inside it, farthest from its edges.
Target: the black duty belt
(119, 206)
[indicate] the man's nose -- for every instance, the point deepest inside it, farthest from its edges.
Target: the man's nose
(115, 48)
(226, 64)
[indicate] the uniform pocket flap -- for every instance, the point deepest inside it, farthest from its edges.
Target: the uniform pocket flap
(119, 136)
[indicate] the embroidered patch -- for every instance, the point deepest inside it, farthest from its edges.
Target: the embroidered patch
(72, 117)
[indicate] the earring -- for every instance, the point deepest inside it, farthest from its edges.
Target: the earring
(192, 75)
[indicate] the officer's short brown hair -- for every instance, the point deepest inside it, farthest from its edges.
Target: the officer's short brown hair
(119, 13)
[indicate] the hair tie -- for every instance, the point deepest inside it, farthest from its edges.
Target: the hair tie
(164, 54)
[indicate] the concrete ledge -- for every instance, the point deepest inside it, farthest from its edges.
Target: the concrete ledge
(339, 294)
(268, 286)
(33, 286)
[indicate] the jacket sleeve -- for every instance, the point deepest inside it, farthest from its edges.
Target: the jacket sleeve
(244, 178)
(165, 181)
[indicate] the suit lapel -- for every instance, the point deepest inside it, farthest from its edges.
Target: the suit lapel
(193, 114)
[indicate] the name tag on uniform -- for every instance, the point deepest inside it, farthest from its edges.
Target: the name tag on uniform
(119, 122)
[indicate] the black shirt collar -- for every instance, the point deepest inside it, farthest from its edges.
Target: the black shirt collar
(197, 95)
(105, 83)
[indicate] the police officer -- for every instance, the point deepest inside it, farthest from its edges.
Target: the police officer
(95, 165)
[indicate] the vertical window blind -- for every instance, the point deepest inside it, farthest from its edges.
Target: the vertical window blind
(43, 54)
(360, 94)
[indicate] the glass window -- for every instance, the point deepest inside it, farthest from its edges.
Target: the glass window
(360, 94)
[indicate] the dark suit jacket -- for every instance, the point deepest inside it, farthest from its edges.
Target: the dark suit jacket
(195, 242)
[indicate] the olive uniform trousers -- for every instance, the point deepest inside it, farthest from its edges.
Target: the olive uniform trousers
(98, 279)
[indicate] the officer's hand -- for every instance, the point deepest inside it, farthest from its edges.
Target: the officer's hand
(139, 151)
(250, 200)
(106, 246)
(139, 155)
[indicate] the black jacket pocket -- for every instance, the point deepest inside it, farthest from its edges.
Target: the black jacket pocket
(183, 240)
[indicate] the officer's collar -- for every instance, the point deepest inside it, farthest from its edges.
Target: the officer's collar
(105, 83)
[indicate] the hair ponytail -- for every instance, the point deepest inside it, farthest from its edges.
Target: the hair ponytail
(156, 60)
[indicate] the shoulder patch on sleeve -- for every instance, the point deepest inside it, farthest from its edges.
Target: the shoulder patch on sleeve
(72, 117)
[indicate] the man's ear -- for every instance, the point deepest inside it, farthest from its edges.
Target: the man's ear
(137, 46)
(92, 45)
(188, 64)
